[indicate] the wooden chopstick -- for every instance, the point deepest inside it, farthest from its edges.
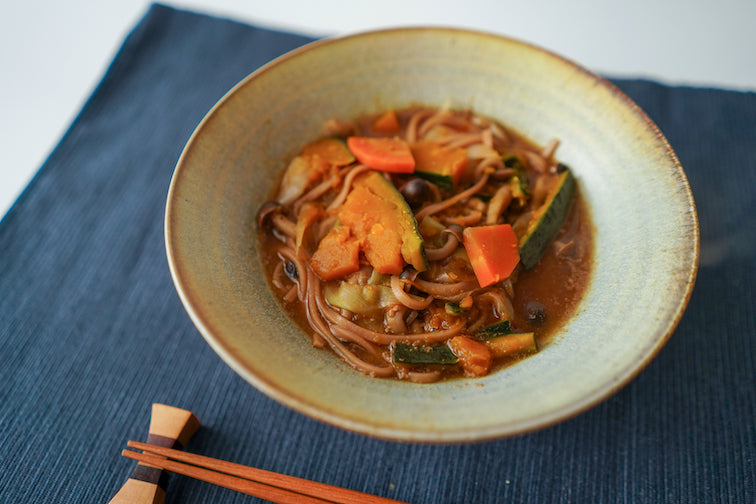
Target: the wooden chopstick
(273, 494)
(260, 483)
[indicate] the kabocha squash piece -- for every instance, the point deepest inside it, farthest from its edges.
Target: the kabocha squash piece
(375, 221)
(368, 215)
(384, 225)
(547, 220)
(387, 123)
(332, 150)
(338, 254)
(439, 164)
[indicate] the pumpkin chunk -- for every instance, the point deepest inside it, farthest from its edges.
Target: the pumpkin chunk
(380, 223)
(332, 150)
(439, 164)
(387, 123)
(381, 219)
(337, 255)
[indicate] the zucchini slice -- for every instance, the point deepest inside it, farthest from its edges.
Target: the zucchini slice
(547, 220)
(494, 330)
(405, 353)
(454, 309)
(519, 181)
(439, 179)
(512, 344)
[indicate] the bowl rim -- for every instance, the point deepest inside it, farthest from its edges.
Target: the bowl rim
(568, 411)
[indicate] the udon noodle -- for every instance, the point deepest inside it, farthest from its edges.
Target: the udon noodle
(386, 272)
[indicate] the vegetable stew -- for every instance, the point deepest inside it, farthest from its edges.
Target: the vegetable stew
(427, 243)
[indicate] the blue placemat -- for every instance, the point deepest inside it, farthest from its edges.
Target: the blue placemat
(92, 331)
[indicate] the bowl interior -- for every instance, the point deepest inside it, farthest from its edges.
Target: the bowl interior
(646, 234)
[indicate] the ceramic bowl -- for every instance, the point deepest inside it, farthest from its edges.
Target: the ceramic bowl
(646, 231)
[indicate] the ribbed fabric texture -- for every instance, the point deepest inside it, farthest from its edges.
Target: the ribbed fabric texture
(92, 331)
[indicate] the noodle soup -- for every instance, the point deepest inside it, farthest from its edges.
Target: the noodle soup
(427, 243)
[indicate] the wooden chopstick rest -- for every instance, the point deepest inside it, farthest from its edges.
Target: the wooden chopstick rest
(170, 427)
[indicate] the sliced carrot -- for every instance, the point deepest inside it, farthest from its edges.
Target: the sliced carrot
(474, 357)
(387, 123)
(338, 254)
(384, 154)
(493, 251)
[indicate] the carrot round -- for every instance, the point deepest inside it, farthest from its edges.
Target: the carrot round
(384, 154)
(493, 251)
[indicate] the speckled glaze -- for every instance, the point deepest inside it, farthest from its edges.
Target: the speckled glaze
(646, 229)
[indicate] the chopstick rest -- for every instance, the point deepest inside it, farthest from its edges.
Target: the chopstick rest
(170, 427)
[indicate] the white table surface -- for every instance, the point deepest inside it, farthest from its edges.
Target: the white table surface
(55, 52)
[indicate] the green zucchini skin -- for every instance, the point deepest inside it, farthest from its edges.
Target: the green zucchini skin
(512, 344)
(548, 221)
(405, 353)
(520, 186)
(454, 309)
(442, 181)
(495, 330)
